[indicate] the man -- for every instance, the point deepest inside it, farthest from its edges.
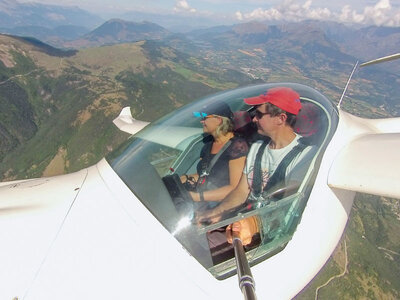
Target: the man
(275, 116)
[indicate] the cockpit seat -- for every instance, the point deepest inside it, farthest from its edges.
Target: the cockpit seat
(310, 123)
(244, 126)
(241, 119)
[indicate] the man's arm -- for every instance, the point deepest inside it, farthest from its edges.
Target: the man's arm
(245, 229)
(234, 199)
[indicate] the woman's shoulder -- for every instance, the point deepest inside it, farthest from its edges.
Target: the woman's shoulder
(238, 140)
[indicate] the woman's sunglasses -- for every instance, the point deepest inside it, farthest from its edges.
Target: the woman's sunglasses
(202, 115)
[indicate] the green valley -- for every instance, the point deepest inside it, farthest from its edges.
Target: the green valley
(52, 105)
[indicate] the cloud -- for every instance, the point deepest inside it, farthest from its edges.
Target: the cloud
(380, 14)
(183, 6)
(289, 10)
(55, 17)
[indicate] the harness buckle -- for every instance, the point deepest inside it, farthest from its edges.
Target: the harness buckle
(204, 174)
(259, 200)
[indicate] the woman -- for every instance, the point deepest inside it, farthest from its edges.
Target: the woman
(222, 158)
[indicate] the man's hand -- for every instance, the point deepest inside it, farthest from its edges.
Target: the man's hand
(244, 229)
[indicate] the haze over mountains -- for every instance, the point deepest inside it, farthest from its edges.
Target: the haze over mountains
(14, 13)
(72, 27)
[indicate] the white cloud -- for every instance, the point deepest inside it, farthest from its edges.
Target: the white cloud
(381, 14)
(55, 17)
(289, 10)
(183, 6)
(239, 16)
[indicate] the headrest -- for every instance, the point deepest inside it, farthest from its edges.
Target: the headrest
(307, 120)
(240, 119)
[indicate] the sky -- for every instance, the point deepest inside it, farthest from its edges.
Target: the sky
(364, 12)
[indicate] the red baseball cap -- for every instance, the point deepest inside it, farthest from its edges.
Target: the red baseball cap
(282, 97)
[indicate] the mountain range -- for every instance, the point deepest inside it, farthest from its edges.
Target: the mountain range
(13, 14)
(53, 24)
(71, 27)
(117, 31)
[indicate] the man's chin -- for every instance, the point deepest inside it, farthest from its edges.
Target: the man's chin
(259, 131)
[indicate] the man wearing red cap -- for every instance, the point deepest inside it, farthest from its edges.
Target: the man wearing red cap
(275, 115)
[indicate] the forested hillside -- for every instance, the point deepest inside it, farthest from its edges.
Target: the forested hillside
(57, 108)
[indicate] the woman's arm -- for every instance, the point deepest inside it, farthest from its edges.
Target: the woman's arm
(234, 199)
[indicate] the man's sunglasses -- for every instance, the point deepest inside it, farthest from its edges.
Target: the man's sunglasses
(258, 114)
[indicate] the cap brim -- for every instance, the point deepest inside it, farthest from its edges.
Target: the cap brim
(255, 100)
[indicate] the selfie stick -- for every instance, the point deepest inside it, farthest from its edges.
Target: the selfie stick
(246, 280)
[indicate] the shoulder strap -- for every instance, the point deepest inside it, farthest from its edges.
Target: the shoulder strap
(257, 175)
(205, 161)
(207, 166)
(215, 158)
(280, 173)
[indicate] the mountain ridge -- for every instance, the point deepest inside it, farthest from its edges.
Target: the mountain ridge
(363, 43)
(116, 31)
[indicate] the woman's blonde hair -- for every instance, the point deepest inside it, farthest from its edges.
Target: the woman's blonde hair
(225, 126)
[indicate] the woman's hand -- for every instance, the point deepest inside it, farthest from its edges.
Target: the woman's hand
(184, 178)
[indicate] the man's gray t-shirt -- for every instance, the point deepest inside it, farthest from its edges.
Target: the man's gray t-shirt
(272, 157)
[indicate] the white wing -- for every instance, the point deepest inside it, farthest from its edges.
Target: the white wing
(125, 122)
(370, 162)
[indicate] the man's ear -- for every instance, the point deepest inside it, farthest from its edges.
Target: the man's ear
(282, 118)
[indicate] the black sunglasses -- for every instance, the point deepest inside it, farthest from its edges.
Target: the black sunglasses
(258, 114)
